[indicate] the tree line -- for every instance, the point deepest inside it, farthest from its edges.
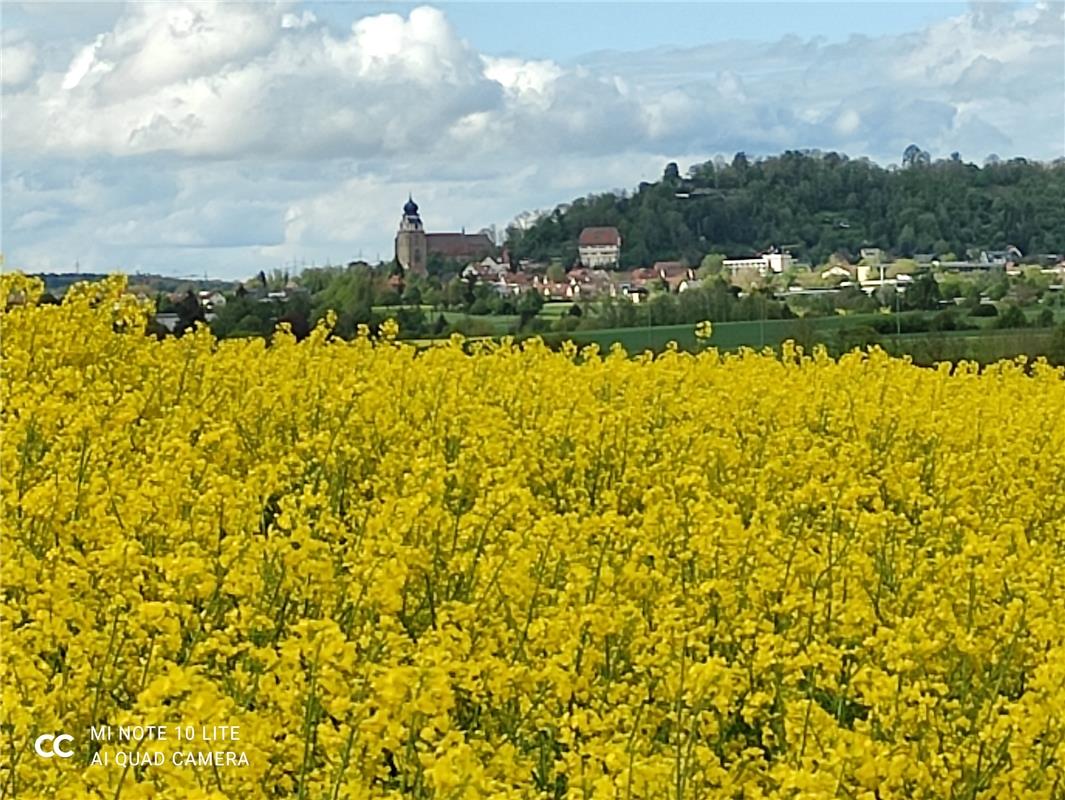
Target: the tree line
(816, 204)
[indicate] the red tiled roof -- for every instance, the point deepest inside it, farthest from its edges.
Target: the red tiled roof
(594, 276)
(591, 237)
(669, 268)
(459, 245)
(553, 289)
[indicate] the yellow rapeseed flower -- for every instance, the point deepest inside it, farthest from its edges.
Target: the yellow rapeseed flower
(487, 569)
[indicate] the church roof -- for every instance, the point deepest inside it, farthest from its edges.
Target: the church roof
(459, 245)
(410, 208)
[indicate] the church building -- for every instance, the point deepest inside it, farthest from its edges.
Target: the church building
(414, 246)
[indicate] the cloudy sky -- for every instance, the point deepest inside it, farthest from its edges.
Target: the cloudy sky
(223, 138)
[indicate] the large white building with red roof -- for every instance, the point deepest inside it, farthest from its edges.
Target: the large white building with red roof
(599, 247)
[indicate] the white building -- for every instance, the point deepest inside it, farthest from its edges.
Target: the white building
(599, 247)
(764, 264)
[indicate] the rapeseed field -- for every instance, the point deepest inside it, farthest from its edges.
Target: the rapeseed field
(497, 571)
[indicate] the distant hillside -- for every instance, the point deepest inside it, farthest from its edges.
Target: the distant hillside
(59, 282)
(817, 204)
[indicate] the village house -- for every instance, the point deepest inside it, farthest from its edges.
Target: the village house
(643, 278)
(677, 277)
(511, 284)
(590, 282)
(637, 294)
(578, 284)
(211, 300)
(1011, 255)
(494, 266)
(599, 247)
(490, 271)
(836, 271)
(552, 290)
(671, 276)
(868, 284)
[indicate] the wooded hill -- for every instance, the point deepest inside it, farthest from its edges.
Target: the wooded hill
(817, 204)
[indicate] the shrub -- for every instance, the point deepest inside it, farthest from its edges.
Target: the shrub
(1011, 317)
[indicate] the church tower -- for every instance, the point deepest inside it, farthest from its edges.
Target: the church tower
(410, 240)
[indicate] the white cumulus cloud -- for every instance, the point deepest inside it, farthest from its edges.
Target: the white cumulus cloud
(18, 60)
(215, 134)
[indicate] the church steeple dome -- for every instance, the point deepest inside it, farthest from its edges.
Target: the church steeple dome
(411, 244)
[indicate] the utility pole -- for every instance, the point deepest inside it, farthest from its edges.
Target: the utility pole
(898, 320)
(648, 321)
(761, 324)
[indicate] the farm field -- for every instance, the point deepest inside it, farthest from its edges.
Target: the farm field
(519, 573)
(498, 324)
(553, 309)
(727, 335)
(983, 347)
(983, 343)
